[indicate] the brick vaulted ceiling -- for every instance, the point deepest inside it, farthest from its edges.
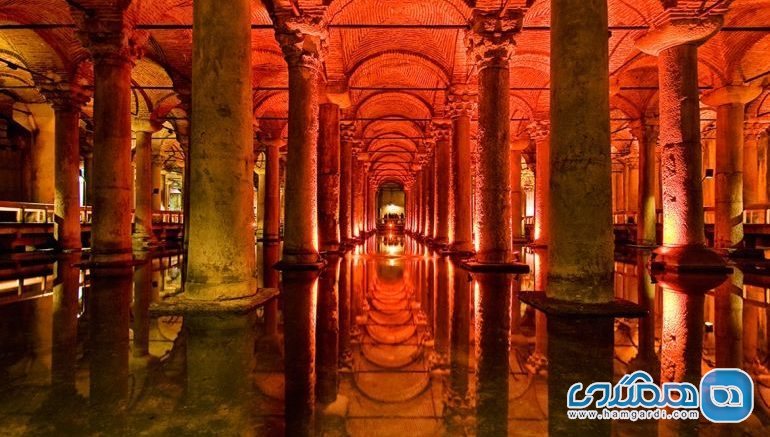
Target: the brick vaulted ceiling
(397, 58)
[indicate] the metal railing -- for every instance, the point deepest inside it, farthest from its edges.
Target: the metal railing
(27, 212)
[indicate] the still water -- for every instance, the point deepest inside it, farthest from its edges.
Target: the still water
(392, 339)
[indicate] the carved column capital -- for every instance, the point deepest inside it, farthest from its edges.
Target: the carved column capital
(347, 131)
(66, 96)
(108, 33)
(680, 25)
(539, 130)
(490, 40)
(441, 130)
(461, 101)
(303, 38)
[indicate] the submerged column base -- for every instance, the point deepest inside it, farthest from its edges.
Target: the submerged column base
(683, 259)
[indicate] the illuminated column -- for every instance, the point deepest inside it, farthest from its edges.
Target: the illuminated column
(490, 46)
(730, 103)
(460, 106)
(517, 211)
(751, 188)
(442, 132)
(358, 193)
(220, 255)
(430, 186)
(67, 103)
(347, 133)
(540, 133)
(272, 188)
(646, 132)
(675, 39)
(143, 232)
(423, 193)
(329, 178)
(302, 44)
(113, 50)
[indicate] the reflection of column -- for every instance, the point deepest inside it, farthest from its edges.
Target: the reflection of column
(329, 177)
(65, 327)
(730, 104)
(220, 255)
(492, 341)
(461, 105)
(143, 232)
(675, 41)
(728, 321)
(442, 132)
(299, 315)
(220, 362)
(345, 304)
(327, 332)
(646, 358)
(457, 397)
(109, 301)
(141, 306)
(302, 45)
(443, 317)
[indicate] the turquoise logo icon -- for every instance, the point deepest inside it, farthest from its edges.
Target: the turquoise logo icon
(726, 395)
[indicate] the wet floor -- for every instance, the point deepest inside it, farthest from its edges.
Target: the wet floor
(392, 339)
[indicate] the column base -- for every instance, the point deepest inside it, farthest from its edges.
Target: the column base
(183, 305)
(479, 267)
(269, 240)
(568, 309)
(288, 266)
(688, 259)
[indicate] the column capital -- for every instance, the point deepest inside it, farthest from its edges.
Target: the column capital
(145, 125)
(347, 131)
(490, 40)
(642, 128)
(731, 95)
(303, 38)
(680, 25)
(539, 130)
(461, 101)
(107, 33)
(441, 130)
(754, 129)
(65, 96)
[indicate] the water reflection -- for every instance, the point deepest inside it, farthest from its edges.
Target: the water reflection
(388, 337)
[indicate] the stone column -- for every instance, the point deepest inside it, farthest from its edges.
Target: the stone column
(347, 133)
(730, 103)
(272, 190)
(430, 199)
(221, 260)
(358, 194)
(302, 40)
(675, 39)
(517, 207)
(88, 175)
(751, 188)
(460, 106)
(143, 232)
(329, 178)
(157, 179)
(67, 103)
(113, 48)
(646, 132)
(442, 132)
(540, 133)
(490, 44)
